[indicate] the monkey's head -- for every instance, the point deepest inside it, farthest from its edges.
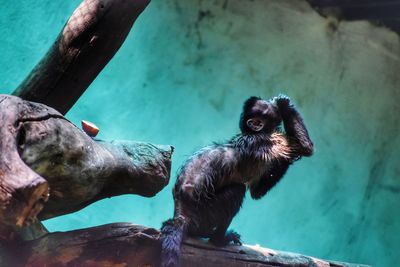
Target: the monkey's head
(259, 116)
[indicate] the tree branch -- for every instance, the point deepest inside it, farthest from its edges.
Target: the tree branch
(78, 169)
(123, 244)
(88, 41)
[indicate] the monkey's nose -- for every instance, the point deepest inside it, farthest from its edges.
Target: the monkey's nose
(188, 188)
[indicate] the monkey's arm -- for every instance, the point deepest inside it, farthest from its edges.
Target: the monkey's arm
(259, 187)
(294, 127)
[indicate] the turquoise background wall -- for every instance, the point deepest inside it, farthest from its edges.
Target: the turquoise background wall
(181, 78)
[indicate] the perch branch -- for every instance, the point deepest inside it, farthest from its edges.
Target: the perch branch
(88, 41)
(78, 169)
(123, 244)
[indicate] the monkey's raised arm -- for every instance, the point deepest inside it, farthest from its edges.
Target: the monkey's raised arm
(294, 127)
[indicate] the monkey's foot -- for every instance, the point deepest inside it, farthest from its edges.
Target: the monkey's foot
(233, 237)
(230, 237)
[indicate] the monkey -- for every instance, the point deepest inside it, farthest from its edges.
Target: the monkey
(212, 183)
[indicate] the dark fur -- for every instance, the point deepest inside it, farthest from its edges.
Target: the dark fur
(211, 185)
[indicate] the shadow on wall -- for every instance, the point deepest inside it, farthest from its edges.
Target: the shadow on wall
(181, 78)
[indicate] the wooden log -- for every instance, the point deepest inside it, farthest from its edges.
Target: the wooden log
(123, 244)
(22, 191)
(89, 40)
(78, 169)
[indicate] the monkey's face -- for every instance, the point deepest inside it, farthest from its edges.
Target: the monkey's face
(259, 116)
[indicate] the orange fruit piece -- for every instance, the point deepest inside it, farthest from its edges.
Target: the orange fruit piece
(90, 128)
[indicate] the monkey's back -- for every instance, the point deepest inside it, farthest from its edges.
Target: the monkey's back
(208, 169)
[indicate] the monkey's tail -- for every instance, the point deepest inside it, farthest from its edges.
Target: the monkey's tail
(172, 233)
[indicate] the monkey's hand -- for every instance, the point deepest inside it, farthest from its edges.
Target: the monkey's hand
(282, 102)
(285, 106)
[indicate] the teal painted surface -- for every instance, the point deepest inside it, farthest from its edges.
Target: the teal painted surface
(181, 78)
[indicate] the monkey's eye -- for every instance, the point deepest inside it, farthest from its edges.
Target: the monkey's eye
(255, 124)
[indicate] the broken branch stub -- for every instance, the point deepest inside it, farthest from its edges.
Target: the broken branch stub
(88, 41)
(22, 191)
(78, 169)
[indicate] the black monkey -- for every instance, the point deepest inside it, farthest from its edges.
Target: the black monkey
(212, 183)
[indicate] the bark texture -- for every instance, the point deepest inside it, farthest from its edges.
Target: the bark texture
(90, 38)
(123, 244)
(78, 169)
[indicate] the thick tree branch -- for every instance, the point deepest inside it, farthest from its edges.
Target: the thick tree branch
(89, 40)
(78, 169)
(125, 244)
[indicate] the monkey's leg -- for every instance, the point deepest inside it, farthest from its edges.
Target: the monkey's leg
(225, 205)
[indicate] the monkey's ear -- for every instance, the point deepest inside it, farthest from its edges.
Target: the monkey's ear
(255, 124)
